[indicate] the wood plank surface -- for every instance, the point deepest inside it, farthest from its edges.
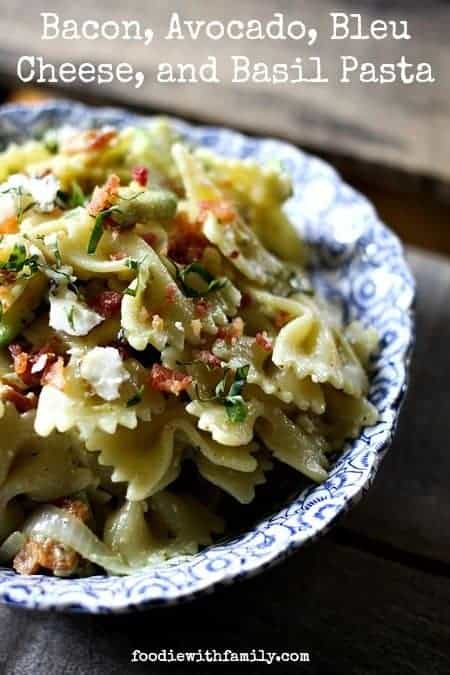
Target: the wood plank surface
(409, 505)
(352, 611)
(401, 126)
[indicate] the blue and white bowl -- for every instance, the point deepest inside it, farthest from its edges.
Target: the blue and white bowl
(359, 262)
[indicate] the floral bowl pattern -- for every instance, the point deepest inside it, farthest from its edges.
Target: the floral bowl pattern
(359, 263)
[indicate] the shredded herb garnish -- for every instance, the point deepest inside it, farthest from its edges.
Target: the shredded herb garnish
(132, 264)
(97, 230)
(182, 274)
(77, 196)
(235, 405)
(70, 317)
(137, 398)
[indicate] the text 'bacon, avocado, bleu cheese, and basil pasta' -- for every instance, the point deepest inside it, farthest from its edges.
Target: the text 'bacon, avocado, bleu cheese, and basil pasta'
(156, 317)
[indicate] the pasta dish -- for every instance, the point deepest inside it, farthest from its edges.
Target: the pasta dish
(161, 345)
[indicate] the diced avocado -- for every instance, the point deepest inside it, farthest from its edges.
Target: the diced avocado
(21, 311)
(145, 206)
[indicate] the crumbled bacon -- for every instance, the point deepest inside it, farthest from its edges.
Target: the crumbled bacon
(47, 554)
(105, 196)
(50, 554)
(202, 307)
(234, 254)
(32, 366)
(88, 141)
(209, 359)
(107, 303)
(75, 507)
(168, 380)
(281, 319)
(186, 242)
(140, 175)
(222, 209)
(263, 341)
(171, 294)
(54, 375)
(233, 331)
(22, 402)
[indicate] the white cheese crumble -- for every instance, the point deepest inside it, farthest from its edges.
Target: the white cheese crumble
(20, 192)
(102, 367)
(70, 315)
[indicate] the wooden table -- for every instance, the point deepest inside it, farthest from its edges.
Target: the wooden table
(373, 596)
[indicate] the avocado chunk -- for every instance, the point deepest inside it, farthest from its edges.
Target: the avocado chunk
(21, 311)
(145, 206)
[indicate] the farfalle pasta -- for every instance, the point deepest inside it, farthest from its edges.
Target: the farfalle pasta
(161, 347)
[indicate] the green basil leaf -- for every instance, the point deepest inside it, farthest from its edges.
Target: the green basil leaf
(236, 409)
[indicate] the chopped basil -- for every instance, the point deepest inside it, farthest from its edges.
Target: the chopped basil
(18, 260)
(22, 209)
(97, 230)
(196, 268)
(131, 291)
(77, 196)
(236, 409)
(70, 317)
(137, 398)
(234, 403)
(132, 264)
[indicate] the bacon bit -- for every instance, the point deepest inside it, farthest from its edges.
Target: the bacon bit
(246, 300)
(157, 322)
(31, 367)
(263, 341)
(105, 196)
(196, 326)
(209, 359)
(75, 507)
(202, 307)
(9, 226)
(169, 381)
(50, 554)
(54, 375)
(22, 402)
(140, 175)
(171, 294)
(107, 303)
(231, 332)
(234, 254)
(281, 319)
(223, 210)
(88, 141)
(186, 242)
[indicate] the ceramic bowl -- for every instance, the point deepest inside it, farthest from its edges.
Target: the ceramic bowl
(357, 262)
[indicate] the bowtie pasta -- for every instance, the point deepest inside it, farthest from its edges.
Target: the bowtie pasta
(160, 345)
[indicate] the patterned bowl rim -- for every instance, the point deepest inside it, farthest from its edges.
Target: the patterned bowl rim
(109, 594)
